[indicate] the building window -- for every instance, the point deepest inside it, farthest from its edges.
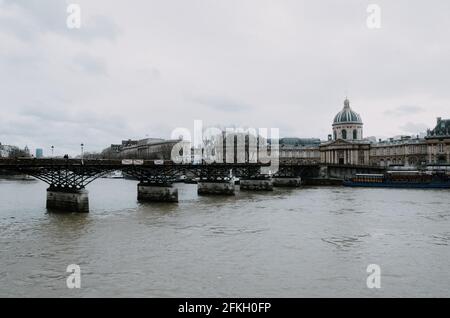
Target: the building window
(335, 137)
(355, 134)
(344, 134)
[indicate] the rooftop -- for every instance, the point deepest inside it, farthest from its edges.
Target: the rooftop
(442, 129)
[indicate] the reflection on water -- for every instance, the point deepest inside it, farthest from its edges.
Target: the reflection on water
(314, 241)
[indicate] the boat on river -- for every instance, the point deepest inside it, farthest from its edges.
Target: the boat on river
(402, 179)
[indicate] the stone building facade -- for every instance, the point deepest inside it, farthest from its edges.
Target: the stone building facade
(299, 150)
(405, 151)
(347, 146)
(438, 142)
(148, 148)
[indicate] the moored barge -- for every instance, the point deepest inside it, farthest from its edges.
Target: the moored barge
(402, 179)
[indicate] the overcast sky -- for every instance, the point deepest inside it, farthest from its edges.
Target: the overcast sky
(142, 68)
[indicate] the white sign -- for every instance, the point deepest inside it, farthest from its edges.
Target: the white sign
(138, 162)
(127, 162)
(158, 162)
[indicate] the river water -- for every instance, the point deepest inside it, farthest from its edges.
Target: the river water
(307, 242)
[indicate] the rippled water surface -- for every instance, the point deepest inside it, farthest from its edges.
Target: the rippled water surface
(314, 241)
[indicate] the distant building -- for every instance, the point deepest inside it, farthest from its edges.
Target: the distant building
(39, 153)
(148, 148)
(438, 142)
(4, 150)
(347, 146)
(299, 150)
(405, 151)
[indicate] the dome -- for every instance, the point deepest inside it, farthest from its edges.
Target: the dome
(347, 115)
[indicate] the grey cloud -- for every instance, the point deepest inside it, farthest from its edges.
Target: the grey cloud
(404, 110)
(38, 15)
(284, 64)
(220, 103)
(33, 17)
(47, 125)
(414, 128)
(91, 64)
(83, 118)
(93, 28)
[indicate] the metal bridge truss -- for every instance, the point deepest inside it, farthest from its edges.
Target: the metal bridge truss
(76, 174)
(292, 171)
(167, 174)
(69, 177)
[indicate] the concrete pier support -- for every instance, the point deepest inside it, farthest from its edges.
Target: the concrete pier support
(157, 193)
(287, 181)
(257, 184)
(68, 200)
(222, 187)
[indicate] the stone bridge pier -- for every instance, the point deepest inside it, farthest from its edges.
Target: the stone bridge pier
(257, 184)
(157, 192)
(251, 179)
(67, 185)
(67, 199)
(283, 181)
(216, 186)
(288, 176)
(156, 183)
(215, 180)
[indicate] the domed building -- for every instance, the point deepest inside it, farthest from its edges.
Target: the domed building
(346, 146)
(347, 124)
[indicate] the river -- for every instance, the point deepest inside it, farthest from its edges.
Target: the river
(305, 242)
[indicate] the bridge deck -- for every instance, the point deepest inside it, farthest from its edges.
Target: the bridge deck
(119, 163)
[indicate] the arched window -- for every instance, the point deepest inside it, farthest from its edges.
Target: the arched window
(344, 134)
(355, 134)
(335, 136)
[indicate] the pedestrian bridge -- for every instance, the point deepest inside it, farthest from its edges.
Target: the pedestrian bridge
(67, 178)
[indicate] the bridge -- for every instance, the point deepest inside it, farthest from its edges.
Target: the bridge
(67, 178)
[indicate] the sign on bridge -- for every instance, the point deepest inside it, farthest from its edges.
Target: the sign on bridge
(137, 162)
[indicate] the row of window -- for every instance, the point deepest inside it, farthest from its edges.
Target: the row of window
(399, 150)
(299, 154)
(402, 150)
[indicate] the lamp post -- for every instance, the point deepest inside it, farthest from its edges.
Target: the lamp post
(82, 151)
(53, 148)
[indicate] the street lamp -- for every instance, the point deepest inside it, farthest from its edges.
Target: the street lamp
(53, 148)
(82, 151)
